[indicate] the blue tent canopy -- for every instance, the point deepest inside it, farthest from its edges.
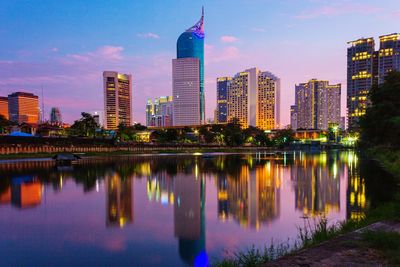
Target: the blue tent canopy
(21, 134)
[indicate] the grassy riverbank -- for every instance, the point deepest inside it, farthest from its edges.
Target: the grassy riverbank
(389, 159)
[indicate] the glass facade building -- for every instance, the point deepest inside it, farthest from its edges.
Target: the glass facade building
(55, 116)
(222, 99)
(190, 44)
(366, 67)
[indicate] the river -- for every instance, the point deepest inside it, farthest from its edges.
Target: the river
(174, 210)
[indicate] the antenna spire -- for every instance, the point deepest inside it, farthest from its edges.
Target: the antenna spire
(198, 28)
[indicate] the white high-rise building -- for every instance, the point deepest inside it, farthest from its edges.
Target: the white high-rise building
(159, 113)
(254, 99)
(185, 84)
(317, 105)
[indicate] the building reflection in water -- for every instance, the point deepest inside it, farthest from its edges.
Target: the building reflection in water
(5, 196)
(119, 200)
(317, 183)
(356, 195)
(24, 192)
(160, 188)
(252, 195)
(189, 217)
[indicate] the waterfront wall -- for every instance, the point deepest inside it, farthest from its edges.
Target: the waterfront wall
(48, 145)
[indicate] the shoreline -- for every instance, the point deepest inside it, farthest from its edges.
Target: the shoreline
(156, 152)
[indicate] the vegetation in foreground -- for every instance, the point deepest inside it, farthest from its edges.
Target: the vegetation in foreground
(388, 243)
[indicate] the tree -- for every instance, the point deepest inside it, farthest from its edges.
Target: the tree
(85, 126)
(233, 133)
(139, 127)
(4, 124)
(165, 135)
(129, 133)
(380, 126)
(284, 137)
(207, 135)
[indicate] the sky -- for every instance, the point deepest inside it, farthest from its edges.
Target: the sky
(64, 46)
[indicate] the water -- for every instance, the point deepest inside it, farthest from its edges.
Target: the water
(173, 210)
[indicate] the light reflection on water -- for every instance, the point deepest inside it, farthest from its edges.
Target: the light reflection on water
(169, 210)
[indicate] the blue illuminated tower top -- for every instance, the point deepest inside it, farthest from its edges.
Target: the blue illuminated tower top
(190, 44)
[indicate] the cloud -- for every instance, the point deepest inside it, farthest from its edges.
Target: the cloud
(148, 35)
(396, 14)
(338, 9)
(214, 55)
(103, 53)
(228, 39)
(54, 49)
(258, 30)
(110, 52)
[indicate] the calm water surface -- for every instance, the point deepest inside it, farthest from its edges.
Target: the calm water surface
(171, 210)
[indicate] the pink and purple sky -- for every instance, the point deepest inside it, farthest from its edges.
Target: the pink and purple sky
(65, 46)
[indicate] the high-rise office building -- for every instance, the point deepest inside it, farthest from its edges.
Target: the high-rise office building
(343, 123)
(4, 107)
(160, 112)
(23, 107)
(254, 99)
(293, 117)
(366, 67)
(117, 99)
(188, 77)
(317, 105)
(360, 77)
(149, 111)
(221, 115)
(55, 116)
(268, 101)
(388, 55)
(238, 102)
(98, 117)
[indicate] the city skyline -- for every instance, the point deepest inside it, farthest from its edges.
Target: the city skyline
(69, 58)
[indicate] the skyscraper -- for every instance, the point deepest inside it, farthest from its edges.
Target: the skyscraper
(254, 98)
(160, 112)
(188, 77)
(317, 105)
(366, 67)
(268, 101)
(389, 55)
(4, 106)
(360, 77)
(293, 117)
(221, 115)
(117, 99)
(23, 107)
(55, 116)
(98, 117)
(149, 111)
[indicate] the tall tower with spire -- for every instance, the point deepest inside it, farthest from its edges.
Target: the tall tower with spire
(188, 77)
